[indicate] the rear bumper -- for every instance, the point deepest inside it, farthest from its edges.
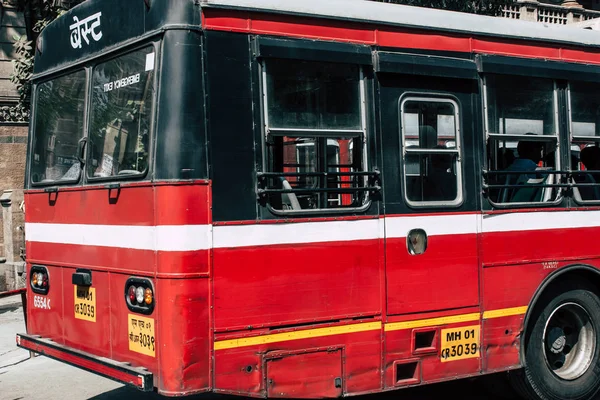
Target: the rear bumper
(139, 378)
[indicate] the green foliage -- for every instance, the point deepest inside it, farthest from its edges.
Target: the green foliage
(38, 14)
(485, 7)
(21, 75)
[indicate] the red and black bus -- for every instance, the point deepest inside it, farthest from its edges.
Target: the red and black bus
(314, 199)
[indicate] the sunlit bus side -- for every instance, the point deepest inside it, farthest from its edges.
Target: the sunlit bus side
(314, 199)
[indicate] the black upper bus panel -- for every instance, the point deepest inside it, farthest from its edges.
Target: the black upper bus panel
(105, 24)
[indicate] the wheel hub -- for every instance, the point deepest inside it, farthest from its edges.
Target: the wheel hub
(557, 340)
(569, 341)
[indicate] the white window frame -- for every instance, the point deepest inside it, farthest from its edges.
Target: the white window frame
(457, 150)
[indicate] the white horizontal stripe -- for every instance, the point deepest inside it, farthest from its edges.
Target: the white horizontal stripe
(203, 237)
(155, 238)
(183, 237)
(534, 221)
(295, 233)
(433, 225)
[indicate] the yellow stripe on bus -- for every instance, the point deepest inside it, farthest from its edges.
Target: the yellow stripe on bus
(453, 319)
(305, 334)
(363, 327)
(505, 312)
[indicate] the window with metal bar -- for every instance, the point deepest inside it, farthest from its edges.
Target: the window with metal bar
(584, 112)
(315, 137)
(523, 152)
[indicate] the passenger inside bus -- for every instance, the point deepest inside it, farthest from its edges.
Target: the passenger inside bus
(505, 158)
(529, 155)
(590, 157)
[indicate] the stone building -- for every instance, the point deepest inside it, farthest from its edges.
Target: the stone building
(13, 139)
(561, 12)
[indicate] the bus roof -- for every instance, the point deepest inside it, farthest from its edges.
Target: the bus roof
(115, 23)
(417, 17)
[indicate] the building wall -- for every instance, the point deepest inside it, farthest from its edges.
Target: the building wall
(13, 139)
(12, 24)
(13, 146)
(562, 12)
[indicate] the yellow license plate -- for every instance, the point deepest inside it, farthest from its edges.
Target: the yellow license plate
(85, 303)
(460, 343)
(141, 335)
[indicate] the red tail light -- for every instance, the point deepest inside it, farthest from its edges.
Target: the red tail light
(139, 295)
(131, 294)
(39, 279)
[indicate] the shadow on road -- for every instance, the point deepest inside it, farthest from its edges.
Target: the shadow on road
(127, 393)
(470, 389)
(9, 308)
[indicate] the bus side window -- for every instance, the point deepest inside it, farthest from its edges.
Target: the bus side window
(585, 135)
(315, 136)
(432, 172)
(523, 152)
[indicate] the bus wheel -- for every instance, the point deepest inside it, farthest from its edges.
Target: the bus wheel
(562, 351)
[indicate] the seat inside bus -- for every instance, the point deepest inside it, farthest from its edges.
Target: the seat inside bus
(289, 200)
(528, 194)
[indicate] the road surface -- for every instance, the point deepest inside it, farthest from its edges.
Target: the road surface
(41, 378)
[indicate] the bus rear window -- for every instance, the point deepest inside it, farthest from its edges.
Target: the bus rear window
(59, 116)
(122, 99)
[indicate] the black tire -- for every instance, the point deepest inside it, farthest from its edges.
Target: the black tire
(555, 373)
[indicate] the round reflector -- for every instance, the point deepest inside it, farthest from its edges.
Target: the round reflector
(139, 294)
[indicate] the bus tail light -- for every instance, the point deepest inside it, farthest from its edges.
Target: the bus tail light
(39, 280)
(148, 296)
(131, 293)
(139, 295)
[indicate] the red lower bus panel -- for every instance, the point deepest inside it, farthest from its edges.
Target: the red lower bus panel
(507, 288)
(511, 286)
(242, 370)
(295, 284)
(306, 375)
(444, 277)
(45, 312)
(120, 329)
(91, 257)
(239, 371)
(510, 289)
(184, 343)
(91, 332)
(400, 349)
(555, 245)
(502, 342)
